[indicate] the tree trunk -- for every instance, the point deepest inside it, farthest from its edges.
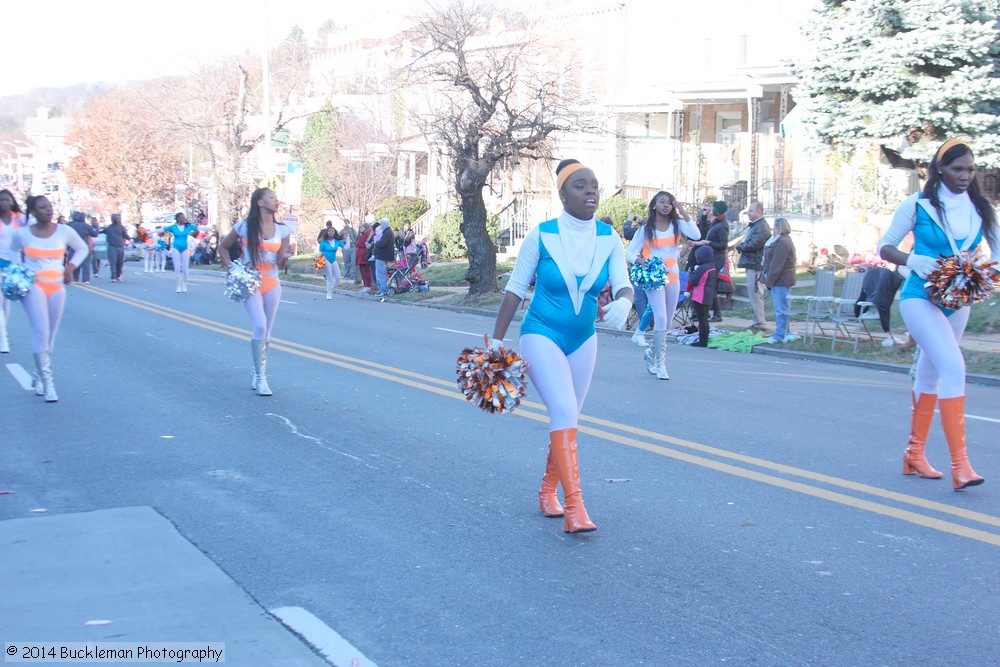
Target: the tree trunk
(482, 273)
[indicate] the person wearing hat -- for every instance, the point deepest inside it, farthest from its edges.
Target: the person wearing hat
(717, 237)
(118, 238)
(78, 223)
(384, 253)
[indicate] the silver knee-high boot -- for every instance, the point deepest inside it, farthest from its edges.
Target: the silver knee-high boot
(660, 345)
(258, 349)
(43, 362)
(4, 345)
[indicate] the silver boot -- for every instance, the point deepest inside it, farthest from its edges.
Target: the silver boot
(4, 345)
(258, 349)
(660, 350)
(43, 362)
(652, 354)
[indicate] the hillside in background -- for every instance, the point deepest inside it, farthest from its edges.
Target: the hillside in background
(66, 101)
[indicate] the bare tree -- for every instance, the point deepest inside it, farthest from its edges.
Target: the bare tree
(488, 106)
(346, 160)
(212, 107)
(123, 150)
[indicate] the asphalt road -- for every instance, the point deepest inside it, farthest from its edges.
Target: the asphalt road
(751, 511)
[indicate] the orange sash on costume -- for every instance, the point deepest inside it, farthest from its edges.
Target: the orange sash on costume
(669, 263)
(49, 281)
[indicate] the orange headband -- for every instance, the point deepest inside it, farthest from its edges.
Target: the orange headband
(951, 143)
(566, 173)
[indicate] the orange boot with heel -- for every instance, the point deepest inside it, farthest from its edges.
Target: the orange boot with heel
(562, 449)
(914, 460)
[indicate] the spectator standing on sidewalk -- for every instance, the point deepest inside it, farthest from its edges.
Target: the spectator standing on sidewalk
(779, 276)
(322, 232)
(78, 221)
(349, 236)
(361, 256)
(404, 238)
(752, 261)
(717, 237)
(385, 252)
(118, 238)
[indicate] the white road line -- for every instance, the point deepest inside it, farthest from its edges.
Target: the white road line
(21, 375)
(294, 303)
(467, 333)
(335, 648)
(985, 419)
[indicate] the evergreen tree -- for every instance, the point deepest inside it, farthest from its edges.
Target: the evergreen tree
(924, 69)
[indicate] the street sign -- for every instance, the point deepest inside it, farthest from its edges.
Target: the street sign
(292, 221)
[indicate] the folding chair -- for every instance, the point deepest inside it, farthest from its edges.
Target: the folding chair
(817, 307)
(850, 315)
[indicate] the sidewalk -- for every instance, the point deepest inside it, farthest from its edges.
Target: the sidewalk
(126, 575)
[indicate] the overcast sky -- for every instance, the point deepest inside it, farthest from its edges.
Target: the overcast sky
(62, 42)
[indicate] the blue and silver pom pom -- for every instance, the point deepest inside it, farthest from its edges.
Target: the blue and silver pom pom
(17, 281)
(649, 276)
(161, 245)
(242, 280)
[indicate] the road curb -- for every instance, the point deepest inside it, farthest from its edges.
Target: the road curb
(988, 380)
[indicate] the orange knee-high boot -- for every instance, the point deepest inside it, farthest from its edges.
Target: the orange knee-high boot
(953, 420)
(920, 425)
(548, 501)
(562, 449)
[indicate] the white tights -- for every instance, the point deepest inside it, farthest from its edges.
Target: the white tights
(181, 259)
(44, 313)
(663, 301)
(160, 261)
(561, 381)
(332, 272)
(4, 314)
(148, 257)
(262, 308)
(941, 367)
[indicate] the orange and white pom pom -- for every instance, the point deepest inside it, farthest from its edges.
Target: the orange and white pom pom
(493, 377)
(961, 280)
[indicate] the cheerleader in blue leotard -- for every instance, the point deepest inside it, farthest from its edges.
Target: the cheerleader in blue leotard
(571, 258)
(951, 214)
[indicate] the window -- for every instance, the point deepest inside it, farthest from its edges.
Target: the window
(728, 125)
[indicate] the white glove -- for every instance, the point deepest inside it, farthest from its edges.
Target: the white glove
(922, 265)
(493, 344)
(616, 313)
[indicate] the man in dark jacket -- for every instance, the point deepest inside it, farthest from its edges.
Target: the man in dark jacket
(78, 223)
(752, 261)
(385, 252)
(117, 239)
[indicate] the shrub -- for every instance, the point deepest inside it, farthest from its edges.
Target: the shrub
(446, 239)
(618, 208)
(399, 209)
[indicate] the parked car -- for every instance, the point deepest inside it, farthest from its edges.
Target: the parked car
(133, 253)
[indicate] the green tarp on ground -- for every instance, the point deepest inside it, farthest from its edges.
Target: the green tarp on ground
(738, 341)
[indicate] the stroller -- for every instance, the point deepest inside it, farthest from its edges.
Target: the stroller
(401, 277)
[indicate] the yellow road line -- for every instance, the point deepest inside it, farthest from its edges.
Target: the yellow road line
(437, 386)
